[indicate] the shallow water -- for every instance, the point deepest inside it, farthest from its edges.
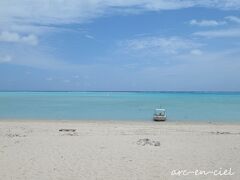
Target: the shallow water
(180, 106)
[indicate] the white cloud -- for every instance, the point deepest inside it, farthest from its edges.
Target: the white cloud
(5, 58)
(21, 22)
(222, 4)
(26, 15)
(76, 76)
(49, 79)
(207, 22)
(196, 52)
(233, 19)
(235, 32)
(89, 36)
(172, 45)
(6, 36)
(66, 81)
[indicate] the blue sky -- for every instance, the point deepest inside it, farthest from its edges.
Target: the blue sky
(155, 45)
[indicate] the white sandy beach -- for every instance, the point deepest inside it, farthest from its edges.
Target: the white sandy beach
(37, 150)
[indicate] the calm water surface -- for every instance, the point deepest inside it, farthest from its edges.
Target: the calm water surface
(180, 106)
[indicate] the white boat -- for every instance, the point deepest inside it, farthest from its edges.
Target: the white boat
(160, 115)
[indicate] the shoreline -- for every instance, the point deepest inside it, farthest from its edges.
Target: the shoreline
(168, 122)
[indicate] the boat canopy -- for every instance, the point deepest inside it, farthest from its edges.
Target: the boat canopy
(160, 112)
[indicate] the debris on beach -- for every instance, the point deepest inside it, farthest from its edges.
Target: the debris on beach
(67, 130)
(12, 135)
(223, 132)
(147, 141)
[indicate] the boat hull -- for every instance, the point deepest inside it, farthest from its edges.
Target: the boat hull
(159, 118)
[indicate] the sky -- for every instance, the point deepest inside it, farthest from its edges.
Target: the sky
(121, 45)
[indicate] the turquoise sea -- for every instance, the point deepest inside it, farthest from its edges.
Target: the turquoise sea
(137, 106)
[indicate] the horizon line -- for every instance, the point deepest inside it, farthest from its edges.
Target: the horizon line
(160, 91)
